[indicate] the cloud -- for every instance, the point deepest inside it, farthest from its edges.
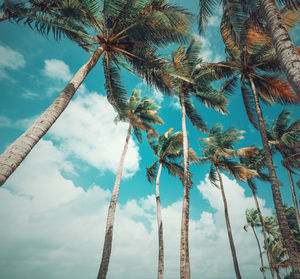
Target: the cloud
(5, 121)
(29, 95)
(10, 60)
(57, 69)
(52, 227)
(151, 92)
(86, 129)
(174, 103)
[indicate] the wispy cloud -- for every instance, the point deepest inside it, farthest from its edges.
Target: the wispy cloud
(57, 69)
(10, 60)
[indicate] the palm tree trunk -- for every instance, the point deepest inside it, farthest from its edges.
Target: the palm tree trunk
(160, 274)
(3, 17)
(293, 192)
(17, 151)
(111, 214)
(235, 261)
(285, 49)
(260, 252)
(185, 272)
(263, 229)
(287, 236)
(278, 275)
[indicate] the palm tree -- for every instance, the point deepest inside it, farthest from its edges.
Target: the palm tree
(268, 12)
(141, 115)
(127, 33)
(217, 149)
(168, 149)
(286, 140)
(257, 162)
(253, 221)
(251, 60)
(182, 65)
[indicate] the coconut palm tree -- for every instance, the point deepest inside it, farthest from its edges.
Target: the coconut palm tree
(253, 222)
(278, 28)
(286, 140)
(217, 149)
(141, 115)
(182, 65)
(257, 162)
(256, 65)
(168, 149)
(127, 33)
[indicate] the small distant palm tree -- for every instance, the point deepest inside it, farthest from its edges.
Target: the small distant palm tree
(257, 162)
(253, 222)
(182, 65)
(128, 34)
(141, 115)
(285, 138)
(168, 149)
(217, 149)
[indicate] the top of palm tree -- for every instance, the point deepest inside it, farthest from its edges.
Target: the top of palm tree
(141, 113)
(182, 66)
(167, 147)
(252, 218)
(218, 148)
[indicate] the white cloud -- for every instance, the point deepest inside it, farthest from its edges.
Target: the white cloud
(10, 59)
(86, 130)
(174, 103)
(29, 95)
(57, 69)
(5, 121)
(61, 236)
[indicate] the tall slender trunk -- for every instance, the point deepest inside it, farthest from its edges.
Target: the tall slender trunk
(287, 236)
(260, 252)
(185, 272)
(263, 229)
(111, 214)
(160, 274)
(11, 158)
(285, 49)
(3, 17)
(278, 275)
(233, 252)
(293, 192)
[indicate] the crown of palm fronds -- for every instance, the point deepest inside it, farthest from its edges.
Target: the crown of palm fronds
(218, 149)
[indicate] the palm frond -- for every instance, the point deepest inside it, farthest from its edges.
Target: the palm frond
(151, 172)
(212, 176)
(206, 9)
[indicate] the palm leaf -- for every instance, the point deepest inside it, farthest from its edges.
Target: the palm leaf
(151, 172)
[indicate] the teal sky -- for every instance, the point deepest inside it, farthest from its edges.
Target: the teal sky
(53, 208)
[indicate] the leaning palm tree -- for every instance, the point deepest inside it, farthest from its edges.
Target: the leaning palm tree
(127, 33)
(168, 149)
(286, 140)
(257, 162)
(267, 12)
(217, 149)
(255, 64)
(141, 115)
(253, 222)
(182, 65)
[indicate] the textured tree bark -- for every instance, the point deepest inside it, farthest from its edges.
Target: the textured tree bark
(285, 49)
(232, 247)
(3, 17)
(260, 252)
(160, 274)
(185, 272)
(263, 229)
(111, 214)
(287, 236)
(11, 158)
(293, 192)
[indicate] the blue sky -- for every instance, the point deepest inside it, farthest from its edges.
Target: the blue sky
(53, 208)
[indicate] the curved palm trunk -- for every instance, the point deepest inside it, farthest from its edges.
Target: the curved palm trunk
(293, 192)
(3, 17)
(260, 252)
(160, 274)
(263, 229)
(185, 272)
(278, 275)
(11, 158)
(111, 214)
(287, 236)
(235, 261)
(285, 49)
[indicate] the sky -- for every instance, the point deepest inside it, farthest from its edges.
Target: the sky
(53, 208)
